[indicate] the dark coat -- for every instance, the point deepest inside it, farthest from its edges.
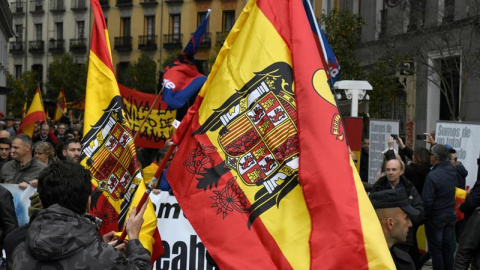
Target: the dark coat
(61, 239)
(412, 193)
(8, 218)
(472, 201)
(402, 260)
(468, 250)
(439, 190)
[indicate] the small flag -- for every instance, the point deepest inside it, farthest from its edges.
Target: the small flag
(60, 107)
(36, 113)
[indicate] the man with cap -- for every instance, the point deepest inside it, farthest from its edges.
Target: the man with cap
(394, 210)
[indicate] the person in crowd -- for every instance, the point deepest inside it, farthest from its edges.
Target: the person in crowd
(72, 148)
(44, 152)
(150, 170)
(45, 135)
(418, 169)
(438, 197)
(23, 168)
(462, 173)
(4, 134)
(64, 236)
(394, 211)
(394, 179)
(60, 132)
(364, 160)
(9, 122)
(8, 218)
(5, 147)
(468, 251)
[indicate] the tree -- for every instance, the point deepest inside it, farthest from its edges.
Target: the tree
(24, 88)
(65, 72)
(141, 75)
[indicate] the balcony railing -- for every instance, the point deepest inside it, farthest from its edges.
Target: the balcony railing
(123, 43)
(124, 3)
(17, 7)
(79, 5)
(104, 4)
(172, 41)
(78, 45)
(148, 2)
(17, 47)
(57, 6)
(206, 41)
(147, 43)
(221, 36)
(56, 46)
(173, 1)
(36, 47)
(36, 6)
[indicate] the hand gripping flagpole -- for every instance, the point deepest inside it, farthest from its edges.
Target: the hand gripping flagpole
(150, 187)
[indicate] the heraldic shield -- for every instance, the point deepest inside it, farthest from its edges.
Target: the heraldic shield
(106, 148)
(259, 135)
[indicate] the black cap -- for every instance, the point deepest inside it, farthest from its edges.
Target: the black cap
(392, 198)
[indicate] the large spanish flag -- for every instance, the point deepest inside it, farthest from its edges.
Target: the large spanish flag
(262, 171)
(60, 107)
(108, 150)
(35, 113)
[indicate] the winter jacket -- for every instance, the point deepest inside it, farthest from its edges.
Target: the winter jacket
(8, 218)
(14, 173)
(412, 193)
(469, 245)
(439, 190)
(402, 260)
(61, 239)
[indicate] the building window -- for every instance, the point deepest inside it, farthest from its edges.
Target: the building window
(449, 12)
(228, 20)
(125, 27)
(19, 32)
(416, 17)
(38, 31)
(150, 26)
(18, 71)
(80, 29)
(450, 87)
(175, 21)
(59, 28)
(38, 69)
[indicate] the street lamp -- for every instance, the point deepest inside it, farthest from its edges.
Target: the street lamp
(354, 90)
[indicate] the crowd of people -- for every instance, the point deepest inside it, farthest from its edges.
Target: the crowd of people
(427, 179)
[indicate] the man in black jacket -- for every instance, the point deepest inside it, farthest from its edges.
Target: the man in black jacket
(8, 218)
(468, 251)
(63, 236)
(394, 211)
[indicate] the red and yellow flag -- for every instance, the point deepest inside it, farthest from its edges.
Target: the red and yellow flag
(262, 171)
(108, 150)
(35, 113)
(24, 110)
(60, 107)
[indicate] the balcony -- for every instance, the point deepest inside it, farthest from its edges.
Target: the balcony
(206, 41)
(148, 2)
(172, 41)
(173, 1)
(36, 47)
(57, 6)
(79, 5)
(56, 46)
(221, 36)
(36, 6)
(17, 47)
(124, 3)
(123, 44)
(104, 4)
(17, 7)
(78, 45)
(147, 43)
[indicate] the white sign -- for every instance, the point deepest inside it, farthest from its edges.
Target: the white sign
(380, 131)
(464, 138)
(21, 201)
(183, 248)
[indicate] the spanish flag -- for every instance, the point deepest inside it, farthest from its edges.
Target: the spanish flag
(60, 106)
(24, 110)
(262, 170)
(108, 150)
(35, 113)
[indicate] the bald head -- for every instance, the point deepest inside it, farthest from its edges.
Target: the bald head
(4, 134)
(395, 224)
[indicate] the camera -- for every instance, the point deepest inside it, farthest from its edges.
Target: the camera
(421, 137)
(394, 136)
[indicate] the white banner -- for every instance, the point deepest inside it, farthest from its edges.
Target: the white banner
(183, 248)
(464, 138)
(21, 201)
(380, 131)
